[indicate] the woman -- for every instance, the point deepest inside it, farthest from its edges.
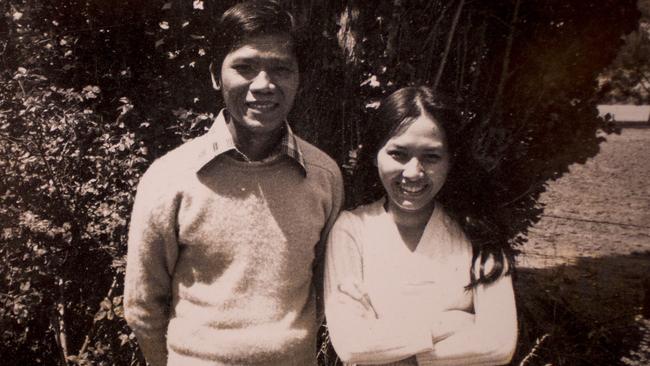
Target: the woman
(401, 284)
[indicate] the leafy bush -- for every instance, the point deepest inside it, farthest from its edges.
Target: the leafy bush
(66, 198)
(627, 79)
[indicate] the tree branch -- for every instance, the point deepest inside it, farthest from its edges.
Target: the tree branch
(57, 324)
(450, 38)
(59, 186)
(532, 352)
(429, 42)
(90, 333)
(506, 63)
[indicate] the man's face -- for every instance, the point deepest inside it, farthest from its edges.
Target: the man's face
(259, 81)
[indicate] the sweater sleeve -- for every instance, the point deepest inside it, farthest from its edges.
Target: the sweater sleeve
(358, 334)
(338, 197)
(491, 339)
(152, 251)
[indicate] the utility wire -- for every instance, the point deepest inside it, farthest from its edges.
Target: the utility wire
(596, 221)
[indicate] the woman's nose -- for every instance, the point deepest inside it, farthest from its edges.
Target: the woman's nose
(261, 82)
(413, 169)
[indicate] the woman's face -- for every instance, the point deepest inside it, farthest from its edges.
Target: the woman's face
(413, 166)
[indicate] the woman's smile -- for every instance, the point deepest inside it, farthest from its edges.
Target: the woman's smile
(412, 188)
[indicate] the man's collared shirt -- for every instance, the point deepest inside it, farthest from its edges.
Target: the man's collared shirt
(220, 142)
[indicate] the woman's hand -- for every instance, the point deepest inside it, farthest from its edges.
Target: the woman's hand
(448, 322)
(355, 291)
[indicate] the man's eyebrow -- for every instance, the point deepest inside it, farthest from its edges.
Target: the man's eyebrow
(266, 58)
(438, 145)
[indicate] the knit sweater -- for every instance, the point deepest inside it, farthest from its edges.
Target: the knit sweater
(410, 293)
(219, 266)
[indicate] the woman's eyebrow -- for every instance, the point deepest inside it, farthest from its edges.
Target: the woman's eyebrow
(394, 145)
(270, 60)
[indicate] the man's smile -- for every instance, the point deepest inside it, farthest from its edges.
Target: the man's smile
(262, 106)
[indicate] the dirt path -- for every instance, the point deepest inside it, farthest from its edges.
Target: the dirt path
(601, 208)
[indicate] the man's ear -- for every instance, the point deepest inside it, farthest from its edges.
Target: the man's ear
(214, 76)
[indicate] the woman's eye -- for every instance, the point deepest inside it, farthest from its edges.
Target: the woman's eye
(283, 70)
(432, 157)
(397, 155)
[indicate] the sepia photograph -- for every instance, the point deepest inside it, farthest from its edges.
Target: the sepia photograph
(325, 182)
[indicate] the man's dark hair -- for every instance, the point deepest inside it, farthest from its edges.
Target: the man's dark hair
(247, 19)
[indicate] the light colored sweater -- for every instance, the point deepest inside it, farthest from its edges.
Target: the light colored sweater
(219, 266)
(409, 294)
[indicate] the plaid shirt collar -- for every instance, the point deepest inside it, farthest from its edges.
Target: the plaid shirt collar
(219, 141)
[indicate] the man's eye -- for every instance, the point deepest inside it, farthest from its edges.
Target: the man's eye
(243, 68)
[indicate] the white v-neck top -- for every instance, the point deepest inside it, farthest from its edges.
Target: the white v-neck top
(406, 288)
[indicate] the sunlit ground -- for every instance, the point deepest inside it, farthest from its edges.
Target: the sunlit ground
(583, 282)
(601, 208)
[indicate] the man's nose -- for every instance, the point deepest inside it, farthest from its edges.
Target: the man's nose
(413, 169)
(262, 82)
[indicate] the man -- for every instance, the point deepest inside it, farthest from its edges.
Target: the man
(227, 228)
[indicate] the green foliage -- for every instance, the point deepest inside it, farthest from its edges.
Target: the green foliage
(627, 79)
(92, 91)
(66, 197)
(73, 152)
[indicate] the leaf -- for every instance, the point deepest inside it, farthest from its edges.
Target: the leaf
(119, 311)
(118, 263)
(100, 315)
(371, 81)
(124, 339)
(105, 304)
(167, 5)
(25, 286)
(117, 300)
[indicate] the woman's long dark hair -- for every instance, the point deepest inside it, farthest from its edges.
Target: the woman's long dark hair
(394, 115)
